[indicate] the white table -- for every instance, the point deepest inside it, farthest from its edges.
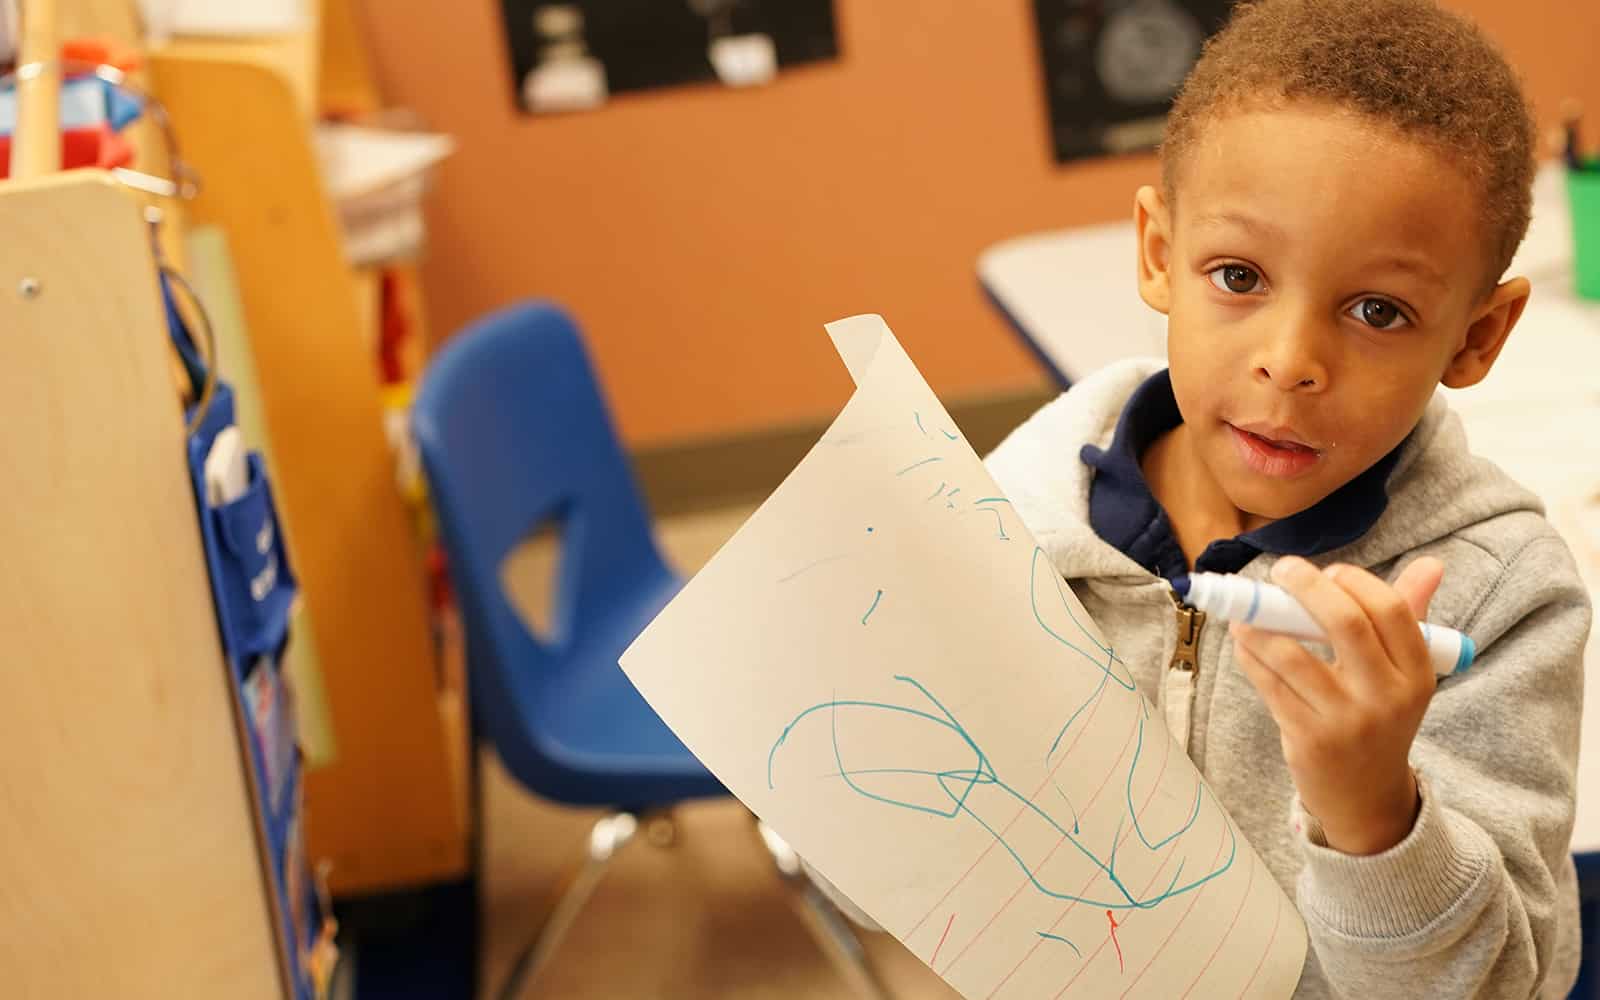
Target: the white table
(1072, 296)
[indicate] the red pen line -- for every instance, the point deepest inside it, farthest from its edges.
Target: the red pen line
(946, 934)
(1194, 898)
(1171, 851)
(1085, 887)
(1024, 883)
(1114, 940)
(1265, 952)
(1220, 840)
(1244, 899)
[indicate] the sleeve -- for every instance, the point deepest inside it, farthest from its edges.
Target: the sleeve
(1480, 898)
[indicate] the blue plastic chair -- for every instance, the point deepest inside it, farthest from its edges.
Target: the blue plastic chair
(514, 435)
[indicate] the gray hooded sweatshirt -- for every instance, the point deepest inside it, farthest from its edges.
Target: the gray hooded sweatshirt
(1480, 900)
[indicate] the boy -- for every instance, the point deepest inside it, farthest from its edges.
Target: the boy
(1343, 185)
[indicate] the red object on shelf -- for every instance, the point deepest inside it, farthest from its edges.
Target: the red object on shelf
(394, 326)
(99, 51)
(81, 147)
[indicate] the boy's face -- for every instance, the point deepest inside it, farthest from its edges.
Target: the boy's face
(1321, 275)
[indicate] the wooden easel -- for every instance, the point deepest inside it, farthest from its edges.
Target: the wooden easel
(132, 864)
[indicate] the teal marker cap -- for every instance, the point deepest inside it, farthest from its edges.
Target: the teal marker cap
(1469, 650)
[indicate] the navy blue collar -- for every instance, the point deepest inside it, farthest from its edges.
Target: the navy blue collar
(1124, 512)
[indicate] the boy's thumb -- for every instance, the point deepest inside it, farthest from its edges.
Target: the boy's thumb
(1417, 583)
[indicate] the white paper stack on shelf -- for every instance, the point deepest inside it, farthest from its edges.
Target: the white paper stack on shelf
(221, 18)
(376, 178)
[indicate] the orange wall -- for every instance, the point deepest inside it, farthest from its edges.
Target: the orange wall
(702, 236)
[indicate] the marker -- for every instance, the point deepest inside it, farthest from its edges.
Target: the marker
(1271, 609)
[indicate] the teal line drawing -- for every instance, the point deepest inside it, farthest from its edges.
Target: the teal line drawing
(999, 523)
(914, 465)
(948, 435)
(958, 785)
(921, 428)
(875, 599)
(1058, 937)
(936, 492)
(977, 792)
(1180, 831)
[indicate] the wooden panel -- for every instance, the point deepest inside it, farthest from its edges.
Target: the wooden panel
(345, 81)
(295, 58)
(131, 865)
(385, 810)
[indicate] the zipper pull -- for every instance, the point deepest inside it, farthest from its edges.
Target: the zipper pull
(1186, 656)
(1177, 688)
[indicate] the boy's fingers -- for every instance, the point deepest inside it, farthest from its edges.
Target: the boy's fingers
(1347, 624)
(1302, 673)
(1287, 706)
(1394, 611)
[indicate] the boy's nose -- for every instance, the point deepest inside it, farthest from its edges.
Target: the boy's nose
(1290, 362)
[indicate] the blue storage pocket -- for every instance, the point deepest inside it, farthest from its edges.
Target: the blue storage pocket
(253, 582)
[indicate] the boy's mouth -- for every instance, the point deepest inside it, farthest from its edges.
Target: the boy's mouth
(1273, 451)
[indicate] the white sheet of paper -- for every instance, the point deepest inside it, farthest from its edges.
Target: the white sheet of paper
(359, 162)
(885, 667)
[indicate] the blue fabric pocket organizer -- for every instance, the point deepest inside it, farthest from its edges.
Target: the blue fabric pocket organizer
(253, 589)
(251, 579)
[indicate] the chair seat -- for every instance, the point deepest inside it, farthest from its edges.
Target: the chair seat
(601, 743)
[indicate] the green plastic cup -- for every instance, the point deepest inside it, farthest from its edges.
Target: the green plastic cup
(1583, 193)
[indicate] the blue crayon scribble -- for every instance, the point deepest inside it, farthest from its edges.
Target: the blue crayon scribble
(1058, 937)
(977, 791)
(958, 784)
(1064, 798)
(1180, 831)
(875, 599)
(914, 465)
(999, 522)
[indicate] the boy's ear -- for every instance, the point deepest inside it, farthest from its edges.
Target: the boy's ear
(1487, 334)
(1153, 223)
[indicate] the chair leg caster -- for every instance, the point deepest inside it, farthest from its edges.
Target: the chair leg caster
(608, 836)
(822, 918)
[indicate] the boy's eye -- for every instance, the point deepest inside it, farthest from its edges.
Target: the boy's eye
(1235, 278)
(1380, 314)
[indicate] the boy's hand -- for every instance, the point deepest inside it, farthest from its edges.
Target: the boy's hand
(1347, 725)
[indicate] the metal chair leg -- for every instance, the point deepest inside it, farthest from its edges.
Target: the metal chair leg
(826, 924)
(606, 837)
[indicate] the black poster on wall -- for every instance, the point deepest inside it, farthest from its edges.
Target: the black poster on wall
(559, 46)
(1111, 68)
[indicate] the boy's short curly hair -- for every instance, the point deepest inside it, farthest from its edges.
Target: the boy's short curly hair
(1427, 72)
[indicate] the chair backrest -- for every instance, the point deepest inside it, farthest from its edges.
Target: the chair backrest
(514, 434)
